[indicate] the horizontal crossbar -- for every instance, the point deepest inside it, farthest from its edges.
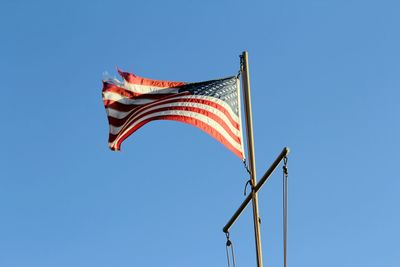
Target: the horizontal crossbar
(256, 188)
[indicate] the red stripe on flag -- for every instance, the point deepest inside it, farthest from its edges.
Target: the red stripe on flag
(197, 123)
(119, 106)
(110, 87)
(132, 78)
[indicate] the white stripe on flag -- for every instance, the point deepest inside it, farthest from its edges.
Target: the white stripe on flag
(147, 89)
(124, 100)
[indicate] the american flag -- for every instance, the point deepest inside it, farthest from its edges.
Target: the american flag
(213, 106)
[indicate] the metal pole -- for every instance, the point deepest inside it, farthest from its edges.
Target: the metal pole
(265, 177)
(252, 162)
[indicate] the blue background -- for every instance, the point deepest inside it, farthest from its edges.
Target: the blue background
(325, 82)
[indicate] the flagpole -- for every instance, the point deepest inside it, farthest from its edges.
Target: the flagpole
(251, 159)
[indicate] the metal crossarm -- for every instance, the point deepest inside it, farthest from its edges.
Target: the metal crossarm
(256, 188)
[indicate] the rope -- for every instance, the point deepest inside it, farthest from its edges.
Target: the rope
(249, 182)
(241, 67)
(285, 209)
(227, 255)
(230, 244)
(246, 166)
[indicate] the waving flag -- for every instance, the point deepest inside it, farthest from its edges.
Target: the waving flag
(213, 106)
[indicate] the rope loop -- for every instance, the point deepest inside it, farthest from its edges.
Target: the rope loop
(227, 235)
(249, 182)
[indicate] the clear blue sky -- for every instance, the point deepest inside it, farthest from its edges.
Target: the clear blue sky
(325, 82)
